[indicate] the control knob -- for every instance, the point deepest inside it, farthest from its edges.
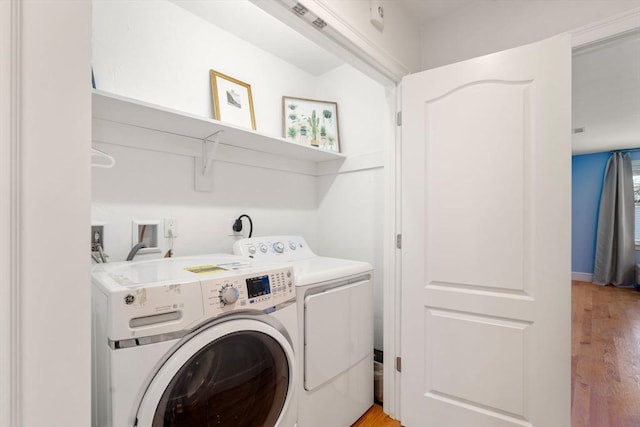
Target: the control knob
(229, 295)
(292, 246)
(263, 248)
(278, 247)
(252, 250)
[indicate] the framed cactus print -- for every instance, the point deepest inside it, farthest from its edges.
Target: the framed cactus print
(311, 122)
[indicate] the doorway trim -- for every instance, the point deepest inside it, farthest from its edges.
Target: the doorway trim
(611, 27)
(10, 214)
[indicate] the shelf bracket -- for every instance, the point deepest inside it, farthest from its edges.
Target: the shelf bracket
(209, 147)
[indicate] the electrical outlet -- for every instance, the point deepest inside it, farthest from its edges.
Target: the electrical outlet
(97, 237)
(230, 228)
(170, 227)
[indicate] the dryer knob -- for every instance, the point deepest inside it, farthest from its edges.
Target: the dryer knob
(263, 248)
(229, 295)
(278, 247)
(292, 246)
(252, 250)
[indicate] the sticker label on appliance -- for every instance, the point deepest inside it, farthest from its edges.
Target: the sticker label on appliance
(205, 269)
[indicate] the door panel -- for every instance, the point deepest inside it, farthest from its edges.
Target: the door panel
(457, 192)
(486, 231)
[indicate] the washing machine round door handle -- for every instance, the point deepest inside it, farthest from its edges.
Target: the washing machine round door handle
(278, 247)
(229, 295)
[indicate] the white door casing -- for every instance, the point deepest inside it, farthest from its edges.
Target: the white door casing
(8, 186)
(486, 303)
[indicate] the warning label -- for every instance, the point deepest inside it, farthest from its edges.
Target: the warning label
(206, 269)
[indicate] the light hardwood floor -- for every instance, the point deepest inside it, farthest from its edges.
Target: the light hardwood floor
(605, 356)
(605, 360)
(376, 418)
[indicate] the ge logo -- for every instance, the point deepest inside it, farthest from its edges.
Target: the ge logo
(129, 299)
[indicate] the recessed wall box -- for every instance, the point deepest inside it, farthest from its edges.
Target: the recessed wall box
(146, 232)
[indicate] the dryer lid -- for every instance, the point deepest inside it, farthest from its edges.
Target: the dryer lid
(324, 269)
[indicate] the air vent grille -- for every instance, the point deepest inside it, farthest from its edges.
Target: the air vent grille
(319, 23)
(577, 130)
(299, 9)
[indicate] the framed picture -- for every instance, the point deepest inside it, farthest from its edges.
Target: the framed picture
(311, 122)
(232, 100)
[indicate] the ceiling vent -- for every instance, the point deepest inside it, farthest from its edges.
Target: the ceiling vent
(319, 23)
(299, 9)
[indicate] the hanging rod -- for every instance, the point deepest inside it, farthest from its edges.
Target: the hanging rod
(625, 150)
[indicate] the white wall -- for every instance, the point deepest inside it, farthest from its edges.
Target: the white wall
(399, 38)
(362, 109)
(491, 26)
(148, 185)
(53, 215)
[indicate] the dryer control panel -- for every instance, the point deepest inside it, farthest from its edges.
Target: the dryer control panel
(254, 290)
(274, 248)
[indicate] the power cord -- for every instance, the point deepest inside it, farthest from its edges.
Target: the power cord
(237, 225)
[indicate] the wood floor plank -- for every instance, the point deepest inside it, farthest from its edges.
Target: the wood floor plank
(375, 417)
(605, 356)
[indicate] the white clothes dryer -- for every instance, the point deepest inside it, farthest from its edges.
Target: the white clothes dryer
(194, 341)
(335, 314)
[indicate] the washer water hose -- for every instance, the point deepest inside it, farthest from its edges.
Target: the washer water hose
(134, 250)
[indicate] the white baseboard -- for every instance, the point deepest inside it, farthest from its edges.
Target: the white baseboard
(582, 277)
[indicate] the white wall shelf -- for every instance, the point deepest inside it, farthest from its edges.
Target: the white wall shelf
(111, 110)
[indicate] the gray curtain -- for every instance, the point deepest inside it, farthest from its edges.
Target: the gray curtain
(615, 247)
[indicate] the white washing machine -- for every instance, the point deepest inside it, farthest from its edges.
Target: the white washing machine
(194, 341)
(335, 311)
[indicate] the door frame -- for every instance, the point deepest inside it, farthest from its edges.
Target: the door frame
(30, 287)
(9, 214)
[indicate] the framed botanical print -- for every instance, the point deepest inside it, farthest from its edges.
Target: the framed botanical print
(311, 122)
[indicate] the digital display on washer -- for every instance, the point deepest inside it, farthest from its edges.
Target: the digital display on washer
(257, 286)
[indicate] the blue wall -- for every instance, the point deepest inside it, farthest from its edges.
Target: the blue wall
(587, 172)
(586, 185)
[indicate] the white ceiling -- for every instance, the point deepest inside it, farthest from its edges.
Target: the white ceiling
(253, 25)
(606, 95)
(425, 11)
(606, 76)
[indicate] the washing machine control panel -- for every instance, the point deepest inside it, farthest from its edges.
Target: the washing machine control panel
(258, 289)
(273, 248)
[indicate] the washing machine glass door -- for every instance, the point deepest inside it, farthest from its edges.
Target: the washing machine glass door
(236, 373)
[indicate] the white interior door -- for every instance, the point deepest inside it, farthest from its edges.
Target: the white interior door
(486, 309)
